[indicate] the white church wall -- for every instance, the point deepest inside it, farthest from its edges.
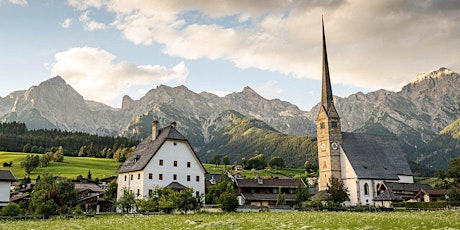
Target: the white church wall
(406, 179)
(349, 177)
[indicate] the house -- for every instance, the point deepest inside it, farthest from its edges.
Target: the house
(431, 195)
(6, 177)
(404, 191)
(362, 161)
(385, 198)
(264, 192)
(90, 197)
(164, 159)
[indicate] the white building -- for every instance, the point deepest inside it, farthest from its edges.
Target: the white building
(362, 161)
(6, 177)
(164, 159)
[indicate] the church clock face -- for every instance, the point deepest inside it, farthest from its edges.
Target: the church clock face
(334, 146)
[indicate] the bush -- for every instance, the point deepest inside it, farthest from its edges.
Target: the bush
(12, 209)
(229, 202)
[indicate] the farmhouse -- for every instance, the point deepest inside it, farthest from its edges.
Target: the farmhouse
(164, 159)
(6, 177)
(361, 161)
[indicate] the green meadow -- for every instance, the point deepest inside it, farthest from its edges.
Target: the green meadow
(70, 168)
(261, 220)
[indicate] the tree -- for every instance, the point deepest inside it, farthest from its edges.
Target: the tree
(454, 194)
(184, 201)
(46, 158)
(89, 175)
(337, 189)
(276, 163)
(257, 162)
(27, 148)
(302, 193)
(228, 201)
(12, 209)
(30, 163)
(243, 162)
(127, 201)
(59, 155)
(226, 160)
(216, 159)
(52, 196)
(281, 200)
(454, 170)
(214, 192)
(111, 191)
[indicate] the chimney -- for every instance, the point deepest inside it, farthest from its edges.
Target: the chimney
(173, 124)
(154, 129)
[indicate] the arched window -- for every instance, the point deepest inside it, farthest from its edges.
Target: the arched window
(377, 189)
(366, 189)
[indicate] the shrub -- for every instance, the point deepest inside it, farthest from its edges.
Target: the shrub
(12, 209)
(229, 202)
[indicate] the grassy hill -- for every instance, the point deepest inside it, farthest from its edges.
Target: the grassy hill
(70, 168)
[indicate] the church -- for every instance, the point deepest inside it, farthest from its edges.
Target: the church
(362, 161)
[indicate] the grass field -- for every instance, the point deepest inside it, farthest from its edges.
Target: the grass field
(265, 220)
(289, 172)
(70, 168)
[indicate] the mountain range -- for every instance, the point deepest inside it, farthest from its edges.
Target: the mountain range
(416, 114)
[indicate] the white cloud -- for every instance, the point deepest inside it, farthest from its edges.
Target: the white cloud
(19, 2)
(66, 23)
(371, 44)
(219, 93)
(268, 90)
(90, 24)
(93, 73)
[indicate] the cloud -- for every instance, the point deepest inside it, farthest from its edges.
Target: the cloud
(93, 73)
(267, 90)
(66, 23)
(371, 44)
(19, 2)
(90, 24)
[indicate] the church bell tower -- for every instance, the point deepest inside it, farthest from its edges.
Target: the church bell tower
(328, 129)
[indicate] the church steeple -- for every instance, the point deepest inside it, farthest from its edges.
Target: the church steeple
(328, 129)
(326, 93)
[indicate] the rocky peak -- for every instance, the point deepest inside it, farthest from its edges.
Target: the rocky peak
(127, 103)
(432, 75)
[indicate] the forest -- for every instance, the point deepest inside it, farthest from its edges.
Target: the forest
(15, 137)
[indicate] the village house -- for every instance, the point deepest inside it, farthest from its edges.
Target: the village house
(91, 197)
(362, 161)
(264, 192)
(431, 195)
(164, 159)
(6, 178)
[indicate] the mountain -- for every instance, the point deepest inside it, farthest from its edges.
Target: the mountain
(416, 114)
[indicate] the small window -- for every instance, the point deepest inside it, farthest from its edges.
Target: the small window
(150, 176)
(366, 189)
(125, 177)
(138, 176)
(175, 177)
(160, 176)
(150, 192)
(275, 191)
(197, 194)
(334, 124)
(188, 164)
(138, 192)
(197, 178)
(321, 125)
(161, 162)
(188, 177)
(175, 163)
(132, 176)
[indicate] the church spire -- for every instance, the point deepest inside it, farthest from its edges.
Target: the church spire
(326, 93)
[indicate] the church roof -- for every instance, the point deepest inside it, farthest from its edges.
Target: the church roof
(149, 147)
(327, 100)
(374, 156)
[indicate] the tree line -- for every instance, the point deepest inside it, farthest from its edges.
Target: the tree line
(15, 137)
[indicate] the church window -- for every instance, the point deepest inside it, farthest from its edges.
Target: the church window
(175, 177)
(366, 189)
(321, 125)
(138, 176)
(334, 124)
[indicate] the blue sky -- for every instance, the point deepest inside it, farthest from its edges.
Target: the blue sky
(106, 49)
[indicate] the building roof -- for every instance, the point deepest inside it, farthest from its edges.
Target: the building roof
(388, 195)
(148, 148)
(7, 175)
(432, 192)
(395, 186)
(176, 186)
(81, 186)
(375, 156)
(267, 183)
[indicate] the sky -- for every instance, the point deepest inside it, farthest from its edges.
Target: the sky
(106, 49)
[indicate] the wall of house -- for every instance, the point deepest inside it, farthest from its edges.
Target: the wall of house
(4, 192)
(182, 153)
(349, 178)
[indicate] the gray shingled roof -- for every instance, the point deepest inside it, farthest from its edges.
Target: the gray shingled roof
(395, 186)
(176, 186)
(148, 148)
(267, 197)
(387, 195)
(267, 183)
(374, 156)
(6, 175)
